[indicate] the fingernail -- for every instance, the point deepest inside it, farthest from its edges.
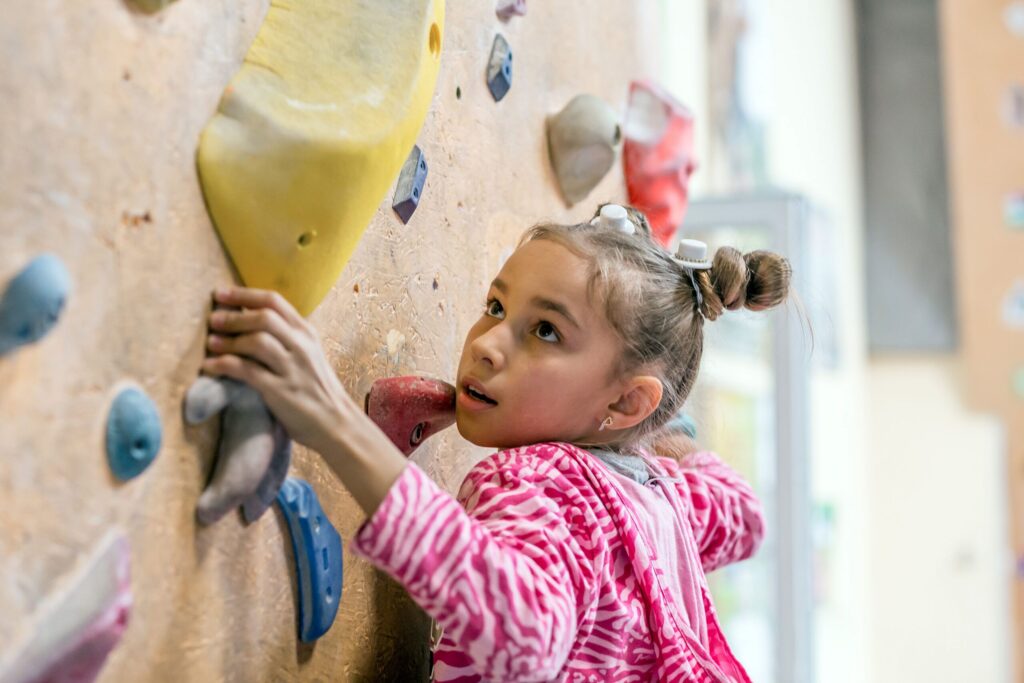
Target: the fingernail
(222, 292)
(217, 319)
(214, 342)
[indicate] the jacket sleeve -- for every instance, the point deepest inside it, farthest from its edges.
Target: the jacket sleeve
(726, 516)
(507, 577)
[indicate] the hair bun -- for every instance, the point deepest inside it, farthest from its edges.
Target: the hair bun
(758, 280)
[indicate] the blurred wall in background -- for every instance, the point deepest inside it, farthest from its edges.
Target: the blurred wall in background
(908, 483)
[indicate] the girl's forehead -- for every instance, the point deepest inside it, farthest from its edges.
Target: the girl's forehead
(543, 272)
(543, 264)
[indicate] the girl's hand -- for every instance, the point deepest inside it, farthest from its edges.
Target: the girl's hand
(270, 347)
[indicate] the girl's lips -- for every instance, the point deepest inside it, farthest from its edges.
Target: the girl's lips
(473, 397)
(469, 402)
(474, 386)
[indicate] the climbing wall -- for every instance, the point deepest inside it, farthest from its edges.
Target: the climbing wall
(104, 106)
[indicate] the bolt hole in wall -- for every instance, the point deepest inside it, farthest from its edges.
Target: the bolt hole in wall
(435, 40)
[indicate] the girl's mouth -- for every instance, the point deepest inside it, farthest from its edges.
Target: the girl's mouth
(473, 397)
(480, 397)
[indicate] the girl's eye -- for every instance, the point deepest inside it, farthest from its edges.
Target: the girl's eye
(547, 332)
(494, 309)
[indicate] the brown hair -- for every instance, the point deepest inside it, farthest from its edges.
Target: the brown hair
(650, 301)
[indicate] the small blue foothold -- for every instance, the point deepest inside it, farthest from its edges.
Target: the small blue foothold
(499, 68)
(33, 302)
(133, 434)
(410, 184)
(317, 547)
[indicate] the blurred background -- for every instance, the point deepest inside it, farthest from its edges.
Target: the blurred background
(879, 143)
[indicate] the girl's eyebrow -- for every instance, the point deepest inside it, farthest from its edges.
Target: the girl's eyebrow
(541, 302)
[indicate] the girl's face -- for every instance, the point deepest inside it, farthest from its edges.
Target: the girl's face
(538, 364)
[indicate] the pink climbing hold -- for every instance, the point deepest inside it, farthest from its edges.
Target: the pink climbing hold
(410, 409)
(658, 157)
(79, 629)
(87, 656)
(506, 9)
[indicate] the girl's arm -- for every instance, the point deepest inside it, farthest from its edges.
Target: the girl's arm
(506, 581)
(270, 347)
(507, 578)
(726, 516)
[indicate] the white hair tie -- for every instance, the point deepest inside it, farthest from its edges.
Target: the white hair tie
(614, 217)
(693, 255)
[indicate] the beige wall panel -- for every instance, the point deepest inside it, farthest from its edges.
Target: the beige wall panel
(982, 61)
(102, 110)
(936, 515)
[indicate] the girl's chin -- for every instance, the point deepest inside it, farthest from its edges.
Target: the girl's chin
(474, 434)
(478, 434)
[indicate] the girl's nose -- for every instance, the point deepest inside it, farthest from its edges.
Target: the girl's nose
(489, 346)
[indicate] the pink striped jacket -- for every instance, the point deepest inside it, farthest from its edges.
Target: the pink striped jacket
(539, 573)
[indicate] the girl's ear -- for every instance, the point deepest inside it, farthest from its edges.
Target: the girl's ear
(640, 397)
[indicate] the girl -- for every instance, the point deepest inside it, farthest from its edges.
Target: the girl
(570, 554)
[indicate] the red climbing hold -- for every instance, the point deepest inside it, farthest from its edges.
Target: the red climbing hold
(506, 9)
(658, 157)
(410, 409)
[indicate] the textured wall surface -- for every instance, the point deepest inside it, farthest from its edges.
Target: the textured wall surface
(102, 111)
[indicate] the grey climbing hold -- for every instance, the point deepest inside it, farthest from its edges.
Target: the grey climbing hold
(33, 302)
(410, 184)
(207, 397)
(499, 68)
(266, 491)
(254, 451)
(134, 434)
(583, 141)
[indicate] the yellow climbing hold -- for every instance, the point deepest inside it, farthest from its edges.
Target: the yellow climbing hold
(312, 132)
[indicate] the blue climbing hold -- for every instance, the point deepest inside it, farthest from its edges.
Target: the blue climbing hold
(410, 184)
(499, 68)
(317, 547)
(133, 434)
(33, 302)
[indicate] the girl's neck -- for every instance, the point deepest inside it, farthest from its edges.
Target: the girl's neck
(611, 447)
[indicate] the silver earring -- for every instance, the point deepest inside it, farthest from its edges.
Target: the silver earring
(606, 423)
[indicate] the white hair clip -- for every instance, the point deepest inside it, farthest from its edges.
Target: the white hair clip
(693, 255)
(614, 217)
